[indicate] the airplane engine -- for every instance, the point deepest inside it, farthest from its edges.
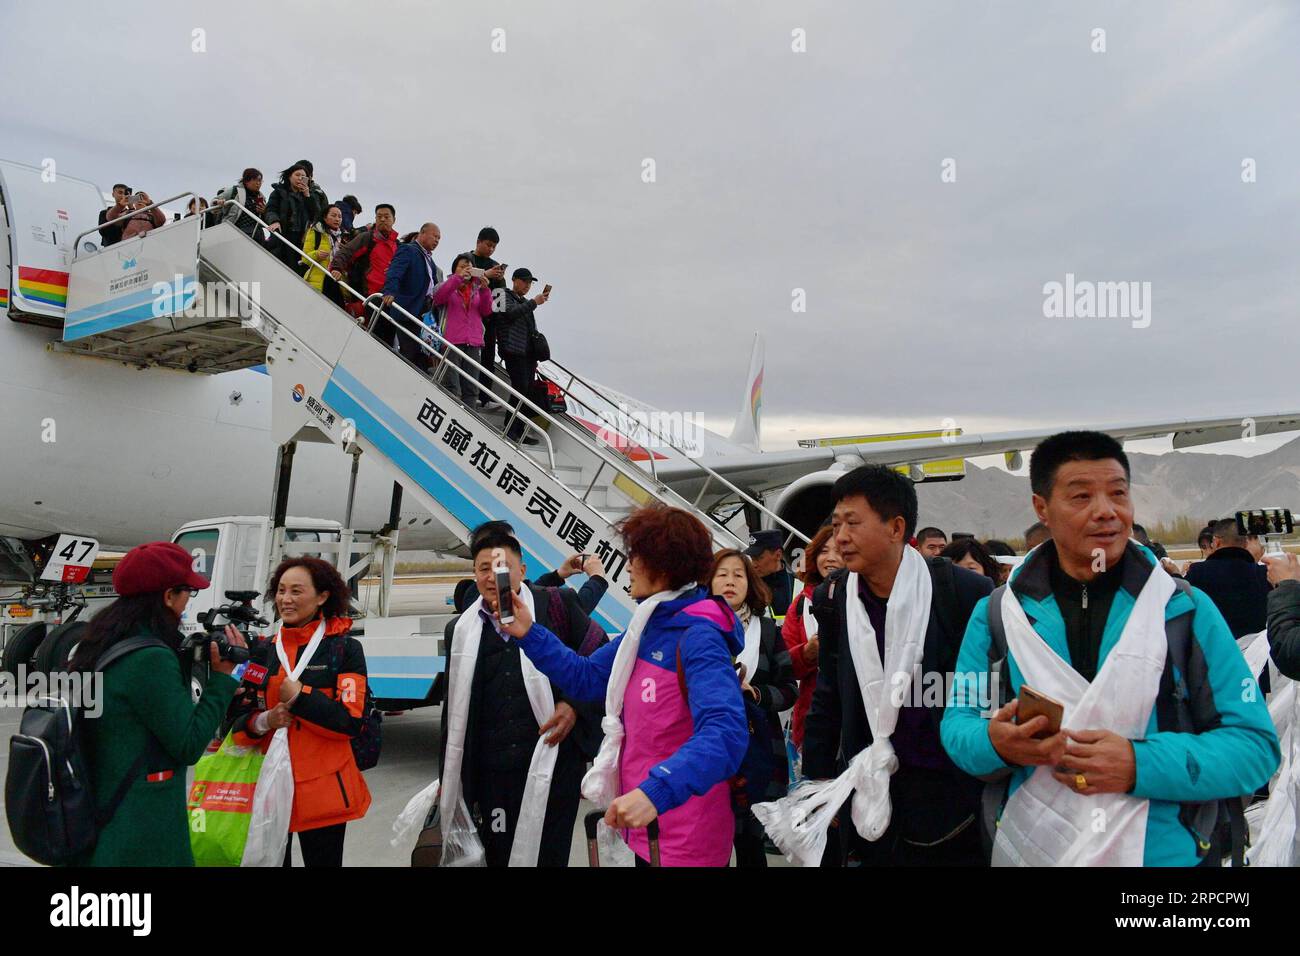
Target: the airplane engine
(806, 502)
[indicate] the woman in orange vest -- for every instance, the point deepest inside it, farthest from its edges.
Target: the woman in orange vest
(322, 708)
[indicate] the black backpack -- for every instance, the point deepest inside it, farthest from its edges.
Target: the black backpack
(367, 744)
(1219, 826)
(359, 266)
(49, 801)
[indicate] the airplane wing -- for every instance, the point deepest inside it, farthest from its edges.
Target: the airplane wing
(760, 472)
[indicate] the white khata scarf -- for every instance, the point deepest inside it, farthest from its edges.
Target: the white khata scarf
(749, 653)
(1046, 823)
(1273, 840)
(797, 823)
(600, 785)
(461, 845)
(809, 620)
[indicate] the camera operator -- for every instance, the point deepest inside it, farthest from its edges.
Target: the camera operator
(1284, 612)
(150, 729)
(323, 710)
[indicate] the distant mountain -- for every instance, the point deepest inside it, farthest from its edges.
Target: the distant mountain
(989, 502)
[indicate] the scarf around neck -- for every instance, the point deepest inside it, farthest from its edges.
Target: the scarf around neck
(797, 823)
(461, 843)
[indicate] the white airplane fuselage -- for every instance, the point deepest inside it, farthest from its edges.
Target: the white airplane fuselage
(94, 447)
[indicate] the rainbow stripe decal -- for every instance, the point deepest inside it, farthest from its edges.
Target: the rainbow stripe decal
(756, 395)
(43, 285)
(4, 298)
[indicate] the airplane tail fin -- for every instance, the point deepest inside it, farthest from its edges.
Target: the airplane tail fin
(748, 430)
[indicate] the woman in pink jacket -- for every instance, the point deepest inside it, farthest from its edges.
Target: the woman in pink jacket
(468, 303)
(675, 727)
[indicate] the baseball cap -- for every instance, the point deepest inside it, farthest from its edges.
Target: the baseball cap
(761, 541)
(523, 273)
(155, 567)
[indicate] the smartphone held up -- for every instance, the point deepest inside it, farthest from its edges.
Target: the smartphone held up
(505, 594)
(1271, 524)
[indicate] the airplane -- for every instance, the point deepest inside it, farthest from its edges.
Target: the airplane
(102, 448)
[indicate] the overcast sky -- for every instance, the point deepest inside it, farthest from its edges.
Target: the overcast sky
(775, 170)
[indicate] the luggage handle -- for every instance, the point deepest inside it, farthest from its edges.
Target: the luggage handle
(593, 818)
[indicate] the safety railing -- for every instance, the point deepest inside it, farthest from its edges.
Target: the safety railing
(608, 457)
(666, 442)
(368, 303)
(636, 475)
(76, 248)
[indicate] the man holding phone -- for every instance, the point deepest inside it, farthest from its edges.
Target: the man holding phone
(494, 273)
(493, 710)
(1090, 621)
(111, 234)
(515, 324)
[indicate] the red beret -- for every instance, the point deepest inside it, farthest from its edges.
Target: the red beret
(156, 567)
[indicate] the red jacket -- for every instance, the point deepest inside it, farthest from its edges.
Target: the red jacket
(381, 252)
(795, 639)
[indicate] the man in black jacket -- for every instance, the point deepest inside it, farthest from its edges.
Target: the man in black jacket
(934, 805)
(110, 235)
(481, 257)
(1284, 613)
(1236, 584)
(515, 324)
(589, 595)
(502, 730)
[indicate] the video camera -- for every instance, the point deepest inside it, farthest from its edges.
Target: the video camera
(1271, 524)
(241, 613)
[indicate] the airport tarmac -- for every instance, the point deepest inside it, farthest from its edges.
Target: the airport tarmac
(408, 763)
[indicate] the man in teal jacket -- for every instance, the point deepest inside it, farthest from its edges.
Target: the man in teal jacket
(1208, 736)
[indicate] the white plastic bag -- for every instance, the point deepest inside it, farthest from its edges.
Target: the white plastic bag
(611, 846)
(411, 819)
(268, 830)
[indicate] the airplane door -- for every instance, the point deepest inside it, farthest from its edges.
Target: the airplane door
(45, 212)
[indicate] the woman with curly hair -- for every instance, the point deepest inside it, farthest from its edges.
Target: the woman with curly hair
(675, 729)
(316, 687)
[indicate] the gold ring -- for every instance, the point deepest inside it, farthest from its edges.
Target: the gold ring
(1080, 782)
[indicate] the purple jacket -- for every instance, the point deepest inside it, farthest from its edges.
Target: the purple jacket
(680, 754)
(464, 327)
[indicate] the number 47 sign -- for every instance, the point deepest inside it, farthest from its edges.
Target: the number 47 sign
(71, 559)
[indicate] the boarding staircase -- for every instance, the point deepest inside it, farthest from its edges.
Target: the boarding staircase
(212, 300)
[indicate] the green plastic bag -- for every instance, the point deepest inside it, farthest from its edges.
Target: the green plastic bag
(221, 802)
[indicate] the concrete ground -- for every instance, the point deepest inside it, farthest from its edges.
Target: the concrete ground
(408, 763)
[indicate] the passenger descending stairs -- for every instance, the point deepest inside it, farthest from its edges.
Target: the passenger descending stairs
(333, 382)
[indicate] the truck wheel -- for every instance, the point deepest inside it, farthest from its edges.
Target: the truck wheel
(21, 648)
(52, 656)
